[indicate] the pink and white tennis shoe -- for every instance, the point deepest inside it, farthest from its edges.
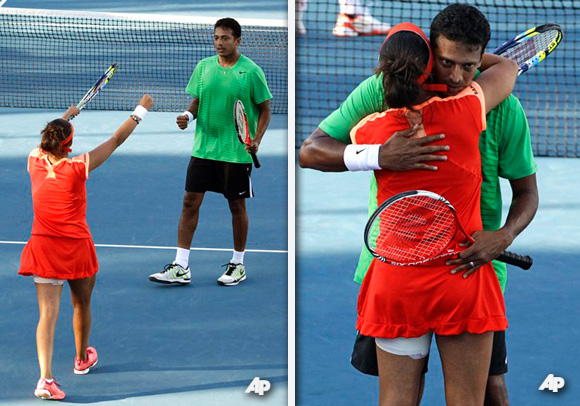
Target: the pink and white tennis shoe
(83, 367)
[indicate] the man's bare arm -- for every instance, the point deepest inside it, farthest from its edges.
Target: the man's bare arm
(489, 244)
(263, 120)
(399, 153)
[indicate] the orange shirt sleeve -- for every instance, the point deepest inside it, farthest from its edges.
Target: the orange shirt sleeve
(33, 156)
(362, 132)
(475, 89)
(82, 164)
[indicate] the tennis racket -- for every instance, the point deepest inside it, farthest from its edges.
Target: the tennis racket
(415, 227)
(241, 122)
(532, 46)
(93, 91)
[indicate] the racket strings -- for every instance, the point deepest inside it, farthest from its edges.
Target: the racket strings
(412, 230)
(532, 47)
(240, 121)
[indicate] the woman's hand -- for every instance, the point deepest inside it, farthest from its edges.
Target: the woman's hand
(146, 101)
(71, 113)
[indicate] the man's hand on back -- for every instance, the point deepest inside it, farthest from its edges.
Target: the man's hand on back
(401, 152)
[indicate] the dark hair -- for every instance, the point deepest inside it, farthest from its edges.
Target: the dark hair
(461, 23)
(402, 61)
(54, 134)
(231, 24)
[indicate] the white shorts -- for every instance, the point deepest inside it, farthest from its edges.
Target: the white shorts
(415, 347)
(39, 279)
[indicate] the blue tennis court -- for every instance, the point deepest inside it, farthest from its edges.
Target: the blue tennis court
(158, 345)
(201, 342)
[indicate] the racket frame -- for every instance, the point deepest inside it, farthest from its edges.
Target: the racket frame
(529, 35)
(242, 128)
(93, 91)
(523, 262)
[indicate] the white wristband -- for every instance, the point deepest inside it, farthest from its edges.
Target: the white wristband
(140, 112)
(188, 114)
(362, 157)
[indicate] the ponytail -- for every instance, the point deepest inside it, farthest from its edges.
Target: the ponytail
(402, 62)
(53, 136)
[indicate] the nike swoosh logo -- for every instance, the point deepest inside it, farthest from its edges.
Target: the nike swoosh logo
(241, 193)
(180, 273)
(360, 150)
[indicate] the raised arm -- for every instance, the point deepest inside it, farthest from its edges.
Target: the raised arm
(72, 112)
(100, 154)
(497, 79)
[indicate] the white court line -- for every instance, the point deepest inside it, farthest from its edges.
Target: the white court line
(153, 247)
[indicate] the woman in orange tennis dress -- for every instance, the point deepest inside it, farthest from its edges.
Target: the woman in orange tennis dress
(403, 306)
(61, 247)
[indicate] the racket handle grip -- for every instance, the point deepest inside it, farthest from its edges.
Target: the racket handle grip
(522, 261)
(255, 159)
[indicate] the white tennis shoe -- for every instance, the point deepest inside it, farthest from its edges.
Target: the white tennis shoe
(361, 25)
(172, 274)
(234, 274)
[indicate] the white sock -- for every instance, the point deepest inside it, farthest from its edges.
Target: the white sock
(49, 380)
(238, 257)
(182, 258)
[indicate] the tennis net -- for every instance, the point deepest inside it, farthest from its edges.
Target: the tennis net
(49, 58)
(328, 67)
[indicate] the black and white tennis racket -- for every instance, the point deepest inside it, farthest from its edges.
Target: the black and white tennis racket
(532, 46)
(93, 91)
(242, 129)
(415, 227)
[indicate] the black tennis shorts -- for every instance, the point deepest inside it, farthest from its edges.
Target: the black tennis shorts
(499, 364)
(364, 355)
(230, 179)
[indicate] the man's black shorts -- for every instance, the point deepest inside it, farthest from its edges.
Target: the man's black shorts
(230, 179)
(364, 355)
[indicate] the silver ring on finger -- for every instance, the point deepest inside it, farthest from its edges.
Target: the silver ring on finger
(471, 264)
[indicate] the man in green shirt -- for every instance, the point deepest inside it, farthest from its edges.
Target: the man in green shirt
(505, 152)
(219, 162)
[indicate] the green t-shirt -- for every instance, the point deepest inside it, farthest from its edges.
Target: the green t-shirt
(505, 149)
(217, 89)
